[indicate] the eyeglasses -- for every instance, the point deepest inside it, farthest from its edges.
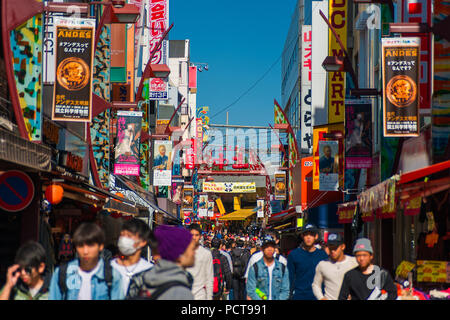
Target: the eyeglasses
(26, 269)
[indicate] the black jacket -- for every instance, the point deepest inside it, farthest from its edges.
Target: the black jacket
(227, 276)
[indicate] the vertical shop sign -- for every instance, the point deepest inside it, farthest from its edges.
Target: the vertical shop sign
(72, 96)
(280, 186)
(162, 163)
(305, 98)
(127, 158)
(328, 165)
(336, 79)
(401, 61)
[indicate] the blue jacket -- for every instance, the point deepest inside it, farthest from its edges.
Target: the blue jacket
(98, 284)
(280, 282)
(302, 268)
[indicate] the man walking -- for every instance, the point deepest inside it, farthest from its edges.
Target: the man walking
(240, 258)
(89, 277)
(268, 278)
(330, 273)
(168, 279)
(302, 263)
(133, 238)
(222, 272)
(367, 281)
(202, 271)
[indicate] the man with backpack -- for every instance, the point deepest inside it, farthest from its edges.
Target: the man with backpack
(222, 272)
(168, 279)
(240, 258)
(202, 270)
(89, 276)
(134, 237)
(268, 279)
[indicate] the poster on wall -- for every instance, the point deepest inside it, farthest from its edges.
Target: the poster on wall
(358, 134)
(401, 77)
(210, 208)
(126, 151)
(188, 198)
(162, 166)
(280, 186)
(72, 93)
(328, 165)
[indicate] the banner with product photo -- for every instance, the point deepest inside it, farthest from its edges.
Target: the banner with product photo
(280, 186)
(358, 134)
(401, 77)
(188, 198)
(72, 93)
(127, 149)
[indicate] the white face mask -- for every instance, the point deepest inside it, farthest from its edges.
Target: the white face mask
(126, 246)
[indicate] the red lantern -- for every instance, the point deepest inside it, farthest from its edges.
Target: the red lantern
(54, 193)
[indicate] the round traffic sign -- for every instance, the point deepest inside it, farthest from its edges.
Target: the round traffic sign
(16, 191)
(187, 221)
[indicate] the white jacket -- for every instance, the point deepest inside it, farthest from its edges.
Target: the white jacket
(203, 274)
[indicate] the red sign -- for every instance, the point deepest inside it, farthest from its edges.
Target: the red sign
(192, 77)
(16, 191)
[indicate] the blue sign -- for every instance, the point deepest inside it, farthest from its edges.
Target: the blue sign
(16, 191)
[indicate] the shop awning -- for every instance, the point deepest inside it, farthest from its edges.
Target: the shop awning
(420, 173)
(241, 214)
(282, 215)
(20, 151)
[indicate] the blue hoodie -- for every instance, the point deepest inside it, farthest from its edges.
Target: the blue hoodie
(302, 267)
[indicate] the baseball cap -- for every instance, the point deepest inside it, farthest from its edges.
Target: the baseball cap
(363, 244)
(267, 241)
(335, 239)
(309, 228)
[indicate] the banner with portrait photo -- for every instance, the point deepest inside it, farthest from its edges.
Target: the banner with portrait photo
(126, 151)
(210, 208)
(358, 134)
(328, 165)
(401, 77)
(280, 186)
(260, 208)
(72, 91)
(177, 190)
(162, 166)
(203, 205)
(188, 198)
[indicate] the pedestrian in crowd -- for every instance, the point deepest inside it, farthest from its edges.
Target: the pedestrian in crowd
(168, 279)
(268, 278)
(330, 273)
(27, 279)
(224, 249)
(240, 258)
(202, 270)
(222, 272)
(89, 276)
(258, 255)
(302, 263)
(134, 236)
(367, 281)
(154, 250)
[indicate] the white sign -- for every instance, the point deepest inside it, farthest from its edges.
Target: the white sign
(306, 91)
(162, 178)
(260, 209)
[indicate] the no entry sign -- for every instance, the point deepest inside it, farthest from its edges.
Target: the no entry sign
(16, 191)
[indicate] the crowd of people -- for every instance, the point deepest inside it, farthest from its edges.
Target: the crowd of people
(190, 264)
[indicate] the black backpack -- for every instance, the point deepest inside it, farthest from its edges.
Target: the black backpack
(218, 274)
(239, 263)
(107, 269)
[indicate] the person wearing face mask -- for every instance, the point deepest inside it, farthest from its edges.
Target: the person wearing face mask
(133, 238)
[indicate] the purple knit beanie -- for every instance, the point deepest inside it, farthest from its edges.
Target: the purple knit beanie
(172, 241)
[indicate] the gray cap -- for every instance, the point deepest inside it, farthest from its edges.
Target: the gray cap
(363, 244)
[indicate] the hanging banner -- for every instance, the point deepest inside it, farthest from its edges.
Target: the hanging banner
(72, 93)
(305, 98)
(280, 186)
(260, 208)
(211, 209)
(336, 79)
(358, 134)
(162, 166)
(229, 187)
(127, 158)
(203, 205)
(328, 165)
(433, 271)
(346, 211)
(177, 191)
(401, 75)
(188, 198)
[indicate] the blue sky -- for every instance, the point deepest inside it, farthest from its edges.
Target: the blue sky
(240, 41)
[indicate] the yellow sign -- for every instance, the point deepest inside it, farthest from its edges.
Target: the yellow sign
(336, 79)
(229, 187)
(433, 271)
(404, 268)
